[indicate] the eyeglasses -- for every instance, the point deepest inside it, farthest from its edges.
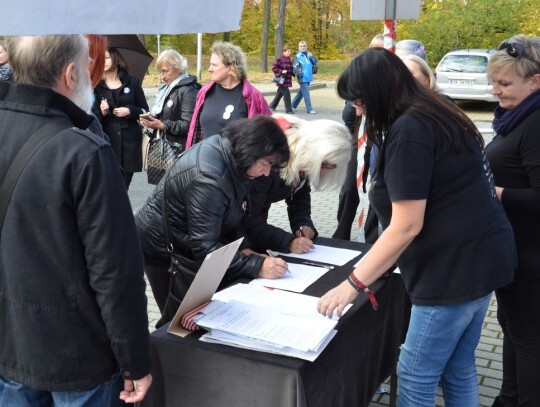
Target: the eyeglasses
(328, 166)
(515, 50)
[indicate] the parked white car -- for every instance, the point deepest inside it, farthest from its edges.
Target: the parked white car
(461, 74)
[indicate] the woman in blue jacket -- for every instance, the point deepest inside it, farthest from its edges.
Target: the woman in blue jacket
(305, 60)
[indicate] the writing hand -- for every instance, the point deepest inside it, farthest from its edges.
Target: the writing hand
(305, 231)
(273, 267)
(301, 245)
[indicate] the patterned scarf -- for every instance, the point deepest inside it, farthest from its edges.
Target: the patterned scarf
(506, 120)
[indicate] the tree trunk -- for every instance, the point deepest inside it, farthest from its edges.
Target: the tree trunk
(227, 36)
(279, 32)
(264, 36)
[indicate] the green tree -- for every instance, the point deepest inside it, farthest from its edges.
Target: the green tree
(449, 24)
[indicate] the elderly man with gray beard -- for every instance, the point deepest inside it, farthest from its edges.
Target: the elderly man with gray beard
(74, 327)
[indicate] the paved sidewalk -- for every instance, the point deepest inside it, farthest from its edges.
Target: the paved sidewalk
(324, 209)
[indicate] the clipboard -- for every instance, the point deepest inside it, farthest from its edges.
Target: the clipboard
(205, 284)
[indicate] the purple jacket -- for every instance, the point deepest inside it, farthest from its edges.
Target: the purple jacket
(255, 102)
(283, 63)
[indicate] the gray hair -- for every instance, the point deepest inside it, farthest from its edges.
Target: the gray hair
(311, 143)
(41, 60)
(408, 47)
(426, 70)
(522, 66)
(233, 56)
(173, 59)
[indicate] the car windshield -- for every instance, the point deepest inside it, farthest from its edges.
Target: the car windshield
(463, 63)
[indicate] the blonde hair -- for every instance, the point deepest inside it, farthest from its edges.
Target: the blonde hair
(311, 143)
(426, 70)
(233, 56)
(377, 41)
(522, 66)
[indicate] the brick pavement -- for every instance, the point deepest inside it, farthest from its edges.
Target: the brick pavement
(324, 208)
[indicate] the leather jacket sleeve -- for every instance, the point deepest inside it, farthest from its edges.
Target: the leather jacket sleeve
(179, 127)
(208, 208)
(299, 208)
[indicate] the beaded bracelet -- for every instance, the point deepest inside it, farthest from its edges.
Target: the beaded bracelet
(359, 286)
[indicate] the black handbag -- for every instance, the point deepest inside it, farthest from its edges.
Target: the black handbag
(297, 69)
(181, 270)
(314, 68)
(160, 156)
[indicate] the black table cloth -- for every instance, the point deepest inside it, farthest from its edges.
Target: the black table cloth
(359, 358)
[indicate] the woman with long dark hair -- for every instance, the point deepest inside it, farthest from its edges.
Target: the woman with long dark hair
(444, 226)
(119, 102)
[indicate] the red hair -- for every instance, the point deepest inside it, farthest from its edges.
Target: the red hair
(97, 44)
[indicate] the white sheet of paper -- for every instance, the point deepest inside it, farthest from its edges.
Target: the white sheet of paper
(268, 325)
(282, 301)
(301, 276)
(327, 254)
(240, 342)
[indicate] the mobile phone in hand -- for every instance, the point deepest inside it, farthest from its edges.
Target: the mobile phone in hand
(147, 116)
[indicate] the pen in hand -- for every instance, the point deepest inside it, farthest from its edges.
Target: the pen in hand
(272, 253)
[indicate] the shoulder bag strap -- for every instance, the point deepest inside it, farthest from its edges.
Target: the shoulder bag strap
(165, 212)
(27, 151)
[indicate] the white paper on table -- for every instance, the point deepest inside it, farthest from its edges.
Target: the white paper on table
(282, 301)
(327, 254)
(301, 276)
(240, 342)
(252, 321)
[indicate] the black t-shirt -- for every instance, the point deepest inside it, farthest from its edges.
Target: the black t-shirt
(465, 249)
(515, 162)
(222, 106)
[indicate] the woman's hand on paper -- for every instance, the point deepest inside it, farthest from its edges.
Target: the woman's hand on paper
(300, 245)
(273, 267)
(336, 299)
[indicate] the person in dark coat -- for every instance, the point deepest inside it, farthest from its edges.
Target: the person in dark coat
(73, 316)
(119, 101)
(514, 158)
(175, 99)
(206, 200)
(282, 69)
(320, 150)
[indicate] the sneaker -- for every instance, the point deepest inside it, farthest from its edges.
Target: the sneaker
(290, 112)
(312, 112)
(294, 109)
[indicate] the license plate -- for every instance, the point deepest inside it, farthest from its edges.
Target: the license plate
(461, 82)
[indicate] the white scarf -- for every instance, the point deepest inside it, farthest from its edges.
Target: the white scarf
(162, 94)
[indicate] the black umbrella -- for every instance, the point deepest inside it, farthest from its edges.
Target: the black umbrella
(132, 49)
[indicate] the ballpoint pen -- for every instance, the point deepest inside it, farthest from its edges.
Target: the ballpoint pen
(301, 230)
(326, 266)
(272, 253)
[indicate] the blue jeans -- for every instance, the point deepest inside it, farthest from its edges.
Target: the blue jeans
(303, 92)
(440, 347)
(105, 395)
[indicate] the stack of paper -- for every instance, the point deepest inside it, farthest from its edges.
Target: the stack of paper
(274, 321)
